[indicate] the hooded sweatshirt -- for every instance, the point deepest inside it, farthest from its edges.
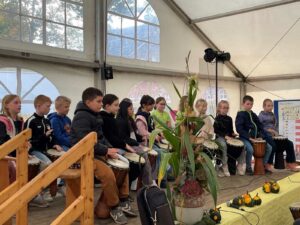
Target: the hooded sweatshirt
(86, 121)
(61, 128)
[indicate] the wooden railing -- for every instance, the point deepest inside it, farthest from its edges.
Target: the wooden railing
(15, 198)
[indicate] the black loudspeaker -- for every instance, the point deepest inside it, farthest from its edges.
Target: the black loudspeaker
(107, 72)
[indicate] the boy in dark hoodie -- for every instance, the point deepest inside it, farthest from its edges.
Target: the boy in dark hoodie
(60, 122)
(249, 128)
(88, 119)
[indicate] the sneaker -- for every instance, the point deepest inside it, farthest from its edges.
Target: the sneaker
(225, 170)
(39, 202)
(47, 197)
(61, 192)
(118, 216)
(249, 171)
(240, 169)
(220, 173)
(126, 208)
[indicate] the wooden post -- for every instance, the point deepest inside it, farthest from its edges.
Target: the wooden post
(87, 188)
(4, 180)
(22, 178)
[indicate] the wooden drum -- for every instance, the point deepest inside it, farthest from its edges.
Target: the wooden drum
(234, 150)
(295, 210)
(259, 148)
(120, 169)
(54, 155)
(33, 167)
(210, 148)
(281, 144)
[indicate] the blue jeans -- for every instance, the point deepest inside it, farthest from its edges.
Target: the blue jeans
(249, 152)
(45, 161)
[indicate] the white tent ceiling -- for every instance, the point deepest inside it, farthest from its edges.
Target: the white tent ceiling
(261, 42)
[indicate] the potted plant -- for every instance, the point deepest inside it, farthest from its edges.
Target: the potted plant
(192, 168)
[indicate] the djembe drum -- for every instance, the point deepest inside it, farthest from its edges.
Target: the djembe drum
(210, 148)
(259, 148)
(136, 163)
(281, 143)
(54, 155)
(120, 169)
(295, 210)
(234, 150)
(33, 167)
(164, 144)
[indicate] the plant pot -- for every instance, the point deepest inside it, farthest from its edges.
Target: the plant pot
(189, 210)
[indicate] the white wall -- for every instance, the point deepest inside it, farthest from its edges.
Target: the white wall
(287, 89)
(70, 81)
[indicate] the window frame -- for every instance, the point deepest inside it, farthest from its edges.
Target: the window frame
(135, 39)
(44, 21)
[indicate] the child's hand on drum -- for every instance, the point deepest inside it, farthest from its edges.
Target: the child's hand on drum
(48, 133)
(130, 149)
(112, 153)
(228, 138)
(58, 148)
(252, 139)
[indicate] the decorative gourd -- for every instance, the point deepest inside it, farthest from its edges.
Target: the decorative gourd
(215, 215)
(247, 195)
(248, 201)
(257, 200)
(275, 187)
(267, 187)
(238, 201)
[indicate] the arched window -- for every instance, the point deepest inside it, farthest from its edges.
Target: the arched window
(56, 23)
(27, 84)
(147, 88)
(133, 30)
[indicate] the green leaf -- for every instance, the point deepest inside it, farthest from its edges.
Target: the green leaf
(175, 163)
(176, 89)
(164, 162)
(194, 96)
(211, 176)
(161, 123)
(174, 141)
(171, 201)
(153, 136)
(190, 151)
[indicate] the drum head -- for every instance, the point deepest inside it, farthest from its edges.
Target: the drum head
(259, 141)
(210, 145)
(133, 157)
(279, 137)
(117, 164)
(235, 142)
(295, 205)
(153, 152)
(146, 149)
(164, 141)
(33, 161)
(163, 146)
(54, 152)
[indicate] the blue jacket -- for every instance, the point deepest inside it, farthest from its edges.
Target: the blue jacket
(61, 126)
(248, 125)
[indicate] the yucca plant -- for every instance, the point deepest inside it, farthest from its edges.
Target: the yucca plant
(192, 168)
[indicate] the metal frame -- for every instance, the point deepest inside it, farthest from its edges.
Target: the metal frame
(245, 10)
(182, 15)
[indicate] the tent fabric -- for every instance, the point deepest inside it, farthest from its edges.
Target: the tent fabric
(261, 43)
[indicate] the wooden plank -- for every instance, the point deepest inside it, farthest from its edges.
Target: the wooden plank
(22, 178)
(4, 175)
(8, 191)
(87, 188)
(71, 213)
(23, 196)
(72, 190)
(14, 143)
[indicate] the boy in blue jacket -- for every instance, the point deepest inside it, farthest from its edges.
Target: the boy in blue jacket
(60, 122)
(249, 128)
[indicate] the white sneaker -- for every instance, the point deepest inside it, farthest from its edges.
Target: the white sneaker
(225, 170)
(47, 197)
(39, 201)
(220, 173)
(240, 170)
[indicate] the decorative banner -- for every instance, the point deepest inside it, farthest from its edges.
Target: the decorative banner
(287, 113)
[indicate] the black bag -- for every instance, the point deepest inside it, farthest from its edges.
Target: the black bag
(153, 206)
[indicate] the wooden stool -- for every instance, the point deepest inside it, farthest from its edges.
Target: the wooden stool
(72, 180)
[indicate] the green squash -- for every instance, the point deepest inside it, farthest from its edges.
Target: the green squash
(238, 201)
(257, 200)
(275, 188)
(215, 215)
(249, 202)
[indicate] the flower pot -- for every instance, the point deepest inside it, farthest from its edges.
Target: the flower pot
(189, 216)
(189, 210)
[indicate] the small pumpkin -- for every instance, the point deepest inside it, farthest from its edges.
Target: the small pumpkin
(275, 187)
(247, 195)
(238, 201)
(215, 215)
(267, 187)
(249, 202)
(257, 200)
